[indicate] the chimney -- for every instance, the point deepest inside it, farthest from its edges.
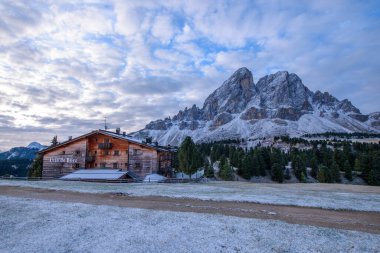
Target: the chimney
(70, 138)
(118, 130)
(124, 134)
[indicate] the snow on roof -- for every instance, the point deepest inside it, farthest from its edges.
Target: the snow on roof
(121, 136)
(154, 178)
(106, 174)
(112, 134)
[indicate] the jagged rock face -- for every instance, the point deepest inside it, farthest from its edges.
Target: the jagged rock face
(194, 113)
(288, 114)
(222, 119)
(283, 90)
(157, 125)
(359, 117)
(254, 113)
(374, 120)
(325, 98)
(374, 116)
(346, 106)
(278, 104)
(232, 97)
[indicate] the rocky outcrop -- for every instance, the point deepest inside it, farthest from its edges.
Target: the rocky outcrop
(346, 106)
(157, 125)
(374, 120)
(222, 119)
(254, 113)
(194, 113)
(324, 99)
(359, 117)
(288, 114)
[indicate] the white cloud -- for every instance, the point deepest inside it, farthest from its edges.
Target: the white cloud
(233, 60)
(84, 60)
(163, 29)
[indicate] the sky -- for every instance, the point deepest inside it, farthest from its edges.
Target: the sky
(65, 65)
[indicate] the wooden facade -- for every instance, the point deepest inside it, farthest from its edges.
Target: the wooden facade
(104, 149)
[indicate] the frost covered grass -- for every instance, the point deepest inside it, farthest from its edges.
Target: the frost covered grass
(30, 225)
(329, 196)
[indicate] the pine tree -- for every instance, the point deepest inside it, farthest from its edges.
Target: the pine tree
(366, 165)
(54, 141)
(222, 162)
(347, 170)
(322, 177)
(226, 172)
(357, 165)
(277, 173)
(256, 165)
(246, 167)
(36, 167)
(208, 170)
(314, 167)
(335, 172)
(299, 168)
(262, 166)
(188, 157)
(374, 174)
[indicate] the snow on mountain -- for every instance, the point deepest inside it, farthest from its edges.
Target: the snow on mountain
(279, 104)
(36, 145)
(28, 152)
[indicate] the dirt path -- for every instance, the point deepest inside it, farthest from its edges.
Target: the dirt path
(350, 220)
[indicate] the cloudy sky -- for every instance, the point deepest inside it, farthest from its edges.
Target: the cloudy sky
(65, 65)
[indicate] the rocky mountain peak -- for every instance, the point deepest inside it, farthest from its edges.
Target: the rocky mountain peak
(324, 98)
(346, 106)
(283, 90)
(232, 96)
(279, 104)
(36, 145)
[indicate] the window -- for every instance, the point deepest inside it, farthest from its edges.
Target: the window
(126, 165)
(77, 152)
(138, 166)
(114, 165)
(137, 151)
(95, 152)
(76, 166)
(106, 140)
(116, 152)
(106, 152)
(96, 165)
(63, 152)
(102, 165)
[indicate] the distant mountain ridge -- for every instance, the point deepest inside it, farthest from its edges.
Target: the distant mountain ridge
(28, 152)
(279, 104)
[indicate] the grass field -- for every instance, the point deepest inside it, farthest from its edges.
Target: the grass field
(31, 225)
(329, 196)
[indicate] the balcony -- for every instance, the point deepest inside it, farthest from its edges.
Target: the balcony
(105, 145)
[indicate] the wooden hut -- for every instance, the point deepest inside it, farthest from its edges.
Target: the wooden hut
(101, 149)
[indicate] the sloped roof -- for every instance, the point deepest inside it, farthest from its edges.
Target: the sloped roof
(108, 133)
(101, 174)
